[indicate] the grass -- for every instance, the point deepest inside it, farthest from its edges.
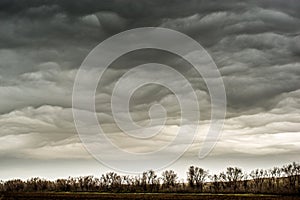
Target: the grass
(136, 196)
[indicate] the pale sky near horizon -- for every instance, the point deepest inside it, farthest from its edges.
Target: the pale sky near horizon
(255, 44)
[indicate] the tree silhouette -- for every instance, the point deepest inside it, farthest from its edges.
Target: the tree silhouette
(284, 180)
(234, 176)
(169, 178)
(258, 179)
(196, 177)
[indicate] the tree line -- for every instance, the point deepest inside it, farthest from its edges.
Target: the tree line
(278, 180)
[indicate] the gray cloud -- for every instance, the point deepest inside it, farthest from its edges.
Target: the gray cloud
(255, 44)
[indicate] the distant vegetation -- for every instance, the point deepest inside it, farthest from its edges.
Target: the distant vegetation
(283, 180)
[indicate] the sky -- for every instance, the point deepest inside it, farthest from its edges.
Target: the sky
(255, 45)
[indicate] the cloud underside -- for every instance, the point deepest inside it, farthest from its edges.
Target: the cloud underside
(256, 46)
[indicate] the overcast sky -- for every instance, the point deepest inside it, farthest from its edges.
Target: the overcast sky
(255, 44)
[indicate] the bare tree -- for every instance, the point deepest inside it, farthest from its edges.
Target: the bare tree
(152, 180)
(257, 176)
(276, 174)
(269, 182)
(292, 172)
(283, 180)
(234, 177)
(197, 177)
(223, 180)
(1, 186)
(112, 181)
(61, 185)
(245, 182)
(216, 183)
(169, 178)
(16, 185)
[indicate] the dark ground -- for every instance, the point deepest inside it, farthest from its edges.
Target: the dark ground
(152, 196)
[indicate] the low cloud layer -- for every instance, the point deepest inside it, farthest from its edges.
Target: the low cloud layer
(255, 44)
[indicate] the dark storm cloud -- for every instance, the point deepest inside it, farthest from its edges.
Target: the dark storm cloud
(255, 44)
(125, 7)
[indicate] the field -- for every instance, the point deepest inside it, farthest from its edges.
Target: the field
(152, 196)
